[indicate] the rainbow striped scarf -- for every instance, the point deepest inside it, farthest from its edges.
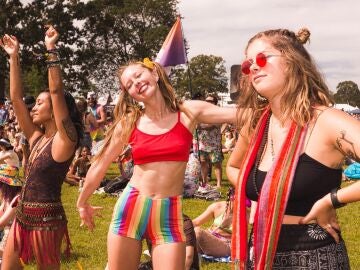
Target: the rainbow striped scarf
(272, 200)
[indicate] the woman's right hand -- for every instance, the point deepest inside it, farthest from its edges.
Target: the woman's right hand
(10, 44)
(51, 37)
(87, 214)
(324, 214)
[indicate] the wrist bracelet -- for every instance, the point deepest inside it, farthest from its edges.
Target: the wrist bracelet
(52, 56)
(334, 199)
(53, 63)
(52, 50)
(56, 61)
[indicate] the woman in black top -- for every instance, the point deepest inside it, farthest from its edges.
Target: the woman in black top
(289, 157)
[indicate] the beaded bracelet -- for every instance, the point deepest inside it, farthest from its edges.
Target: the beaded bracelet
(51, 55)
(334, 199)
(53, 63)
(53, 51)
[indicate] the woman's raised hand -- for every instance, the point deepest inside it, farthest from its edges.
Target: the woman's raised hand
(51, 36)
(10, 44)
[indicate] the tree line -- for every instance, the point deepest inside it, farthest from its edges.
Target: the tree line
(96, 38)
(100, 35)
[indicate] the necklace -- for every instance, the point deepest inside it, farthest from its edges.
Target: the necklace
(260, 154)
(271, 139)
(33, 156)
(36, 151)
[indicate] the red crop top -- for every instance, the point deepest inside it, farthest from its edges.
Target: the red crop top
(173, 145)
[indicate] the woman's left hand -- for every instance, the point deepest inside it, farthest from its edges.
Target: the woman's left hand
(324, 214)
(51, 36)
(87, 214)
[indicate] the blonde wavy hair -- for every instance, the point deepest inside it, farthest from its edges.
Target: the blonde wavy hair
(304, 86)
(127, 111)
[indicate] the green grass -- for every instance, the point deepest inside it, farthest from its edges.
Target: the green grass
(89, 248)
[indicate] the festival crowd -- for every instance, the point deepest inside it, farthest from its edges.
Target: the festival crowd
(284, 145)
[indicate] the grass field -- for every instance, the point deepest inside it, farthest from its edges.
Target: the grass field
(89, 248)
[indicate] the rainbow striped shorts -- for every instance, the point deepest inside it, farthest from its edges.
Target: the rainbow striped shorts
(138, 216)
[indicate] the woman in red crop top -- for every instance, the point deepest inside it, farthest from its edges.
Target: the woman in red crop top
(288, 158)
(53, 130)
(160, 135)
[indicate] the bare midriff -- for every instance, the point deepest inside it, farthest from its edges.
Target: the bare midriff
(159, 179)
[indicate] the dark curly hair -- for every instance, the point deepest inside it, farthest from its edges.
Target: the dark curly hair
(74, 114)
(229, 199)
(8, 192)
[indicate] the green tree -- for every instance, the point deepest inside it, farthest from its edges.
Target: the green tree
(348, 92)
(34, 81)
(96, 37)
(208, 75)
(27, 23)
(38, 14)
(114, 32)
(11, 13)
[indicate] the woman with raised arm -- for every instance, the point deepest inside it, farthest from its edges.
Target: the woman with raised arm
(216, 240)
(160, 135)
(53, 131)
(289, 158)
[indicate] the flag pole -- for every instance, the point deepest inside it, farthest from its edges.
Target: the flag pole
(187, 63)
(196, 132)
(189, 76)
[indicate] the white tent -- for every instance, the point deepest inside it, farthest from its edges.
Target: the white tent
(115, 100)
(345, 107)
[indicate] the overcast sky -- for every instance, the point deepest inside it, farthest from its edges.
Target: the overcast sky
(223, 27)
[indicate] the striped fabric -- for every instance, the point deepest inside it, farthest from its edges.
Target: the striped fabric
(10, 175)
(272, 200)
(138, 216)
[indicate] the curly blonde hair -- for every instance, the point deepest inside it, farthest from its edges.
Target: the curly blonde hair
(304, 86)
(127, 111)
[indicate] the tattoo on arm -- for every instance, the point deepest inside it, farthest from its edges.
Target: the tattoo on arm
(341, 141)
(70, 129)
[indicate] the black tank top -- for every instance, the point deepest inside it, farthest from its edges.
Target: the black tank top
(312, 181)
(45, 177)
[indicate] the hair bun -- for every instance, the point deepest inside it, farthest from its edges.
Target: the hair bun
(303, 35)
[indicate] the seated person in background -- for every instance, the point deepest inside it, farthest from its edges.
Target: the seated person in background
(229, 143)
(216, 240)
(10, 186)
(126, 163)
(9, 160)
(191, 258)
(9, 190)
(79, 168)
(192, 176)
(17, 146)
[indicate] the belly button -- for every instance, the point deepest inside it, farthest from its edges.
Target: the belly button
(152, 195)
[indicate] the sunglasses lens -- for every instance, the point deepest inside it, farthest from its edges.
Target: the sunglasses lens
(245, 67)
(261, 59)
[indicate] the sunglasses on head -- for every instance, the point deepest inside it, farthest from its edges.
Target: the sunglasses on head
(260, 60)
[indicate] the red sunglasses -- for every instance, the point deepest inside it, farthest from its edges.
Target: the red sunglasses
(260, 60)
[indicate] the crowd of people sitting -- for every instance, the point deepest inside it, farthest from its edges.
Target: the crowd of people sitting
(214, 241)
(152, 170)
(15, 154)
